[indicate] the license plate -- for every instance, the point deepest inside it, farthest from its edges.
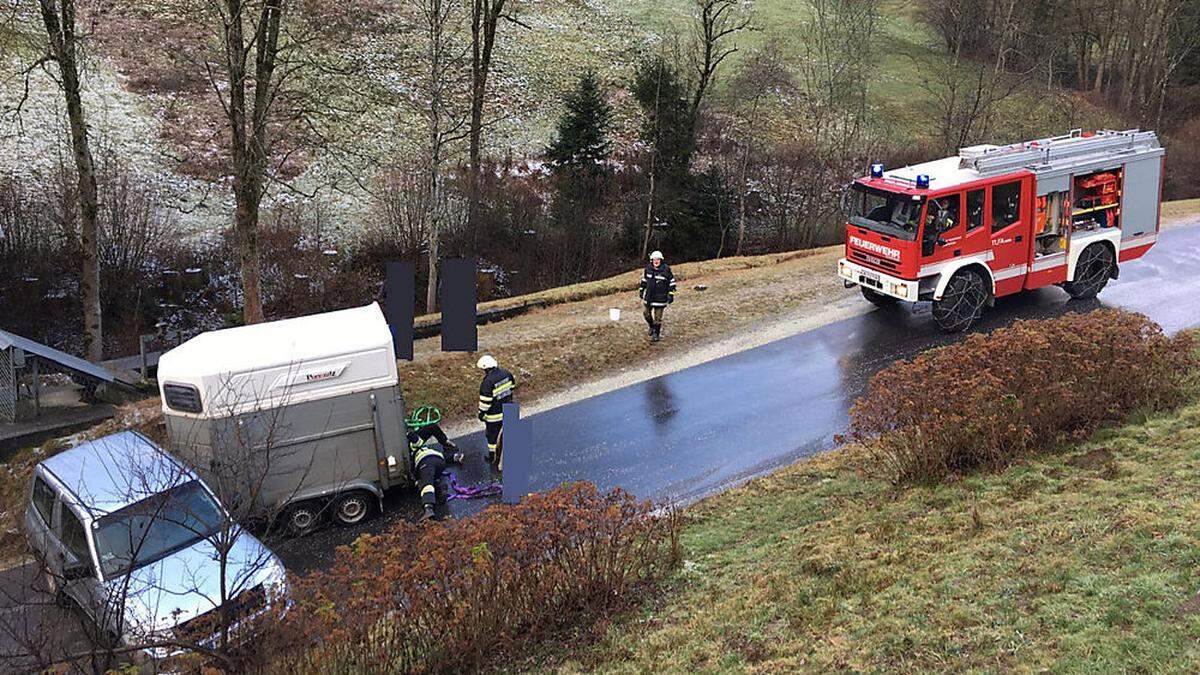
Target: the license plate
(872, 277)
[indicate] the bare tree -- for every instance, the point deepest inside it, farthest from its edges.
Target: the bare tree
(63, 47)
(485, 19)
(250, 39)
(763, 75)
(716, 25)
(966, 91)
(441, 89)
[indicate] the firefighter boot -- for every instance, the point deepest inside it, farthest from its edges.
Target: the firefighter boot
(428, 515)
(656, 332)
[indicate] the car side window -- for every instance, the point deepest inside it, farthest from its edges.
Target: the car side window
(43, 500)
(974, 209)
(1006, 205)
(73, 536)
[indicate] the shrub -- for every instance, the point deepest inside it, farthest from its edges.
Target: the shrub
(993, 398)
(442, 597)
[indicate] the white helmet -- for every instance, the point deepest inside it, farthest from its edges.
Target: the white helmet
(656, 254)
(485, 362)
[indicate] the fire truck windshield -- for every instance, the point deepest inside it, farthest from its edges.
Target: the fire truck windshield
(889, 213)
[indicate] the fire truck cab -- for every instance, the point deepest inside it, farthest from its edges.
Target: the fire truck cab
(995, 220)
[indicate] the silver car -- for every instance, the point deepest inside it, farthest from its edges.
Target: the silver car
(136, 539)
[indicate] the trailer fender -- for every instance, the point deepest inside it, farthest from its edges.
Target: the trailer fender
(329, 492)
(1109, 237)
(975, 264)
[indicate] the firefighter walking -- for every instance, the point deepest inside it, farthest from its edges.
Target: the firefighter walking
(657, 290)
(496, 389)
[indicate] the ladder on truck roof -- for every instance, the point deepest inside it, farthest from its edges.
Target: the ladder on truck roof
(1046, 154)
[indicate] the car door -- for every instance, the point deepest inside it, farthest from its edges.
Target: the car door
(77, 552)
(943, 230)
(39, 518)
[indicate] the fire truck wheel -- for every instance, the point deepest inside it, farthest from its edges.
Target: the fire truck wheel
(962, 302)
(878, 299)
(1092, 272)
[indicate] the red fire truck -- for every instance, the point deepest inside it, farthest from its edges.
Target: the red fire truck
(994, 220)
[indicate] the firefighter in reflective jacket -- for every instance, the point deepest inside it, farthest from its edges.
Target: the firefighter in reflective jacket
(657, 290)
(495, 390)
(428, 464)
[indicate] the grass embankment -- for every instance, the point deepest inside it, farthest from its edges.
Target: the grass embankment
(1082, 560)
(1180, 210)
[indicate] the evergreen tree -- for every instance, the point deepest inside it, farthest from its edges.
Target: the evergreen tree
(582, 141)
(669, 133)
(668, 129)
(581, 180)
(704, 219)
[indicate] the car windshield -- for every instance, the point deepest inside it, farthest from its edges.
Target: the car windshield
(155, 527)
(885, 212)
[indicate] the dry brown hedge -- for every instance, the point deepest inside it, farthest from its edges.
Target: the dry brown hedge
(993, 398)
(443, 597)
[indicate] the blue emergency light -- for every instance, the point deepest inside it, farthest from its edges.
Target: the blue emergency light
(922, 181)
(877, 170)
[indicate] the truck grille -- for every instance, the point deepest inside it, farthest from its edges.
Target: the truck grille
(200, 628)
(872, 261)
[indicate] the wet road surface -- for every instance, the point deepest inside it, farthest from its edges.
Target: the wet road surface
(709, 427)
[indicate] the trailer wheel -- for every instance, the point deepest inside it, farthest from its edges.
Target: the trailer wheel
(1092, 272)
(352, 507)
(962, 302)
(302, 518)
(878, 299)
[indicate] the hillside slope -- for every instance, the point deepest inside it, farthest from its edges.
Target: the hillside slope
(536, 64)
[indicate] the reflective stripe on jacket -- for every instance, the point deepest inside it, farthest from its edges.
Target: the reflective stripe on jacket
(657, 286)
(496, 389)
(424, 453)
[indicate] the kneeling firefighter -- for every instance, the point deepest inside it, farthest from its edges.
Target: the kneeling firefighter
(423, 425)
(496, 389)
(428, 462)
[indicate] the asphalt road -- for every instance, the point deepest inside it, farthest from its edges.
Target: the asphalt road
(700, 430)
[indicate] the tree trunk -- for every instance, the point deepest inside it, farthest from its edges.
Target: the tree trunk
(60, 31)
(485, 15)
(431, 284)
(248, 247)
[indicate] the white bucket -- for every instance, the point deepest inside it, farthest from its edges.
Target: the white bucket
(614, 314)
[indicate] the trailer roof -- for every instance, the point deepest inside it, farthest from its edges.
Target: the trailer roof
(287, 342)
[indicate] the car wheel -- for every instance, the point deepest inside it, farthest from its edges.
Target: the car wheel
(878, 299)
(1092, 272)
(962, 302)
(302, 518)
(352, 507)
